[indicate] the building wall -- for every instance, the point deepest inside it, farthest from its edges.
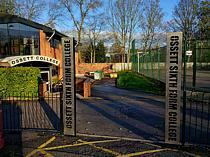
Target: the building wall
(46, 50)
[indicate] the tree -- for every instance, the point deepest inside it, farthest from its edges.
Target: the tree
(7, 6)
(185, 17)
(84, 7)
(54, 14)
(151, 22)
(85, 50)
(30, 9)
(100, 52)
(204, 16)
(95, 26)
(123, 19)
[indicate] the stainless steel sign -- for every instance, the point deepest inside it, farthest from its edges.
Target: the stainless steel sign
(69, 107)
(173, 87)
(13, 61)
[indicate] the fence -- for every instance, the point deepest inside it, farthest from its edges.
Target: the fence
(30, 111)
(197, 125)
(152, 63)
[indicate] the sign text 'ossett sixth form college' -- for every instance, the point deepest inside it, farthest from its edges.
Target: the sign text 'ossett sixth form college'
(68, 87)
(173, 87)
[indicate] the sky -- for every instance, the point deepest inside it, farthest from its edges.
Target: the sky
(166, 5)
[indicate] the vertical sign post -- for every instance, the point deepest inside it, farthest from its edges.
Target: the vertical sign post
(173, 87)
(69, 103)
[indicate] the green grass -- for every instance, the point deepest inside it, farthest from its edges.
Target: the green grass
(131, 80)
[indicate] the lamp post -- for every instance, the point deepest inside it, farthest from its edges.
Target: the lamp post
(138, 54)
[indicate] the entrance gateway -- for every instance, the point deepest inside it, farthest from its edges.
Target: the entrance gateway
(173, 87)
(69, 94)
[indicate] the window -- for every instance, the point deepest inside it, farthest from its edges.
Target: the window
(54, 43)
(18, 39)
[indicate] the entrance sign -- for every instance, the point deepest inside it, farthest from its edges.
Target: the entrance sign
(173, 87)
(15, 60)
(69, 107)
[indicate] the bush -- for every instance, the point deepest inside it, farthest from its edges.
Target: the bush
(19, 80)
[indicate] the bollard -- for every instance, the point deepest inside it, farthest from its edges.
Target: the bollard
(1, 130)
(85, 88)
(89, 88)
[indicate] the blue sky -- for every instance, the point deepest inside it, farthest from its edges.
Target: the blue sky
(166, 5)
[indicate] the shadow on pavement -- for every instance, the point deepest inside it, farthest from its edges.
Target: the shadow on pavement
(119, 121)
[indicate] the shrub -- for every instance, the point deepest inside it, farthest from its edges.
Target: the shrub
(19, 80)
(130, 80)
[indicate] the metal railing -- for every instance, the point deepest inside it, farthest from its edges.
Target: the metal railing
(197, 126)
(31, 111)
(152, 63)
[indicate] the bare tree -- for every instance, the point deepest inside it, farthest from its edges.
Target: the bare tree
(30, 9)
(185, 17)
(54, 14)
(151, 22)
(95, 26)
(134, 14)
(84, 7)
(123, 19)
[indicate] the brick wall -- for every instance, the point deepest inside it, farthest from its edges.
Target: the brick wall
(46, 50)
(82, 68)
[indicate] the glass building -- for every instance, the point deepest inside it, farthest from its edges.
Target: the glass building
(18, 39)
(27, 43)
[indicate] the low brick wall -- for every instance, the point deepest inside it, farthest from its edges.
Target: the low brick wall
(82, 68)
(88, 67)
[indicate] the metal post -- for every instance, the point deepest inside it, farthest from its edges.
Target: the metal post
(184, 94)
(61, 112)
(50, 79)
(147, 64)
(133, 54)
(158, 53)
(138, 62)
(194, 64)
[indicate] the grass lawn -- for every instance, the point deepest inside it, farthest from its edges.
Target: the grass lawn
(131, 80)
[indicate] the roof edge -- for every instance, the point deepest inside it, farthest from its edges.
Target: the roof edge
(8, 18)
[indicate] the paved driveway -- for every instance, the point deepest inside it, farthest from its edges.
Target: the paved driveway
(122, 113)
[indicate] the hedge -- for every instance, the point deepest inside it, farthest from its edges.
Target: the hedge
(19, 80)
(131, 80)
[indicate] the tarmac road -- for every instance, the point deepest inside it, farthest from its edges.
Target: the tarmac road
(122, 113)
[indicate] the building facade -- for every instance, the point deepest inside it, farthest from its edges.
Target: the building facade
(27, 43)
